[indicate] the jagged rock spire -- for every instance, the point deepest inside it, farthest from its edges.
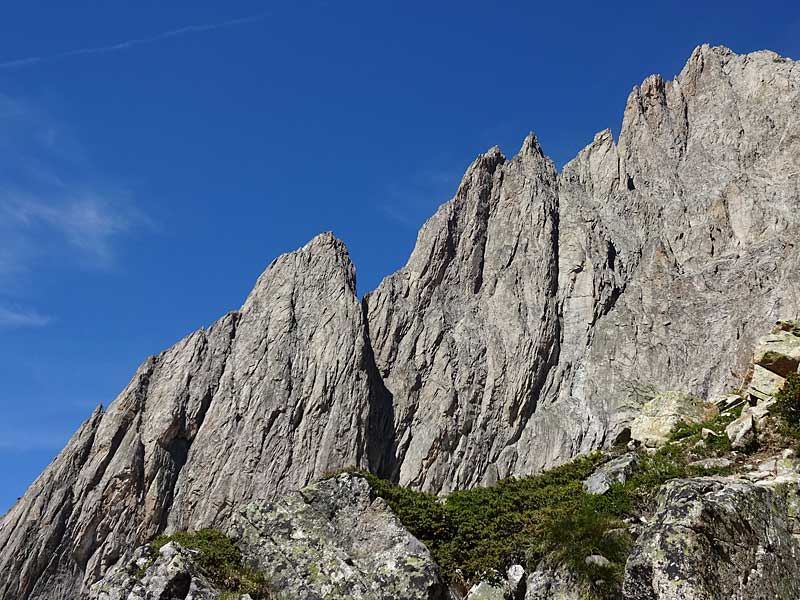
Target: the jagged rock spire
(265, 400)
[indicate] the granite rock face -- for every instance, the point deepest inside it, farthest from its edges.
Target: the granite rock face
(538, 310)
(333, 540)
(716, 538)
(265, 400)
(469, 328)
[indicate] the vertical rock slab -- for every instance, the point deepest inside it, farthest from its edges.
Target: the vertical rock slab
(465, 334)
(295, 397)
(263, 401)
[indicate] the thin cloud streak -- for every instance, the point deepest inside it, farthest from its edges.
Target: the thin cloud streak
(12, 318)
(128, 44)
(89, 223)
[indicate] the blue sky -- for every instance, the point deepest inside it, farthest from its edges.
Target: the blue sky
(155, 157)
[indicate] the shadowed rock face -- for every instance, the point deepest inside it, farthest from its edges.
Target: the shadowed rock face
(265, 400)
(533, 315)
(537, 308)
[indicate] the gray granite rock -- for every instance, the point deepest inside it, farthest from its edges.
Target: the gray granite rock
(173, 574)
(716, 538)
(265, 400)
(616, 470)
(333, 540)
(539, 310)
(550, 582)
(658, 416)
(742, 431)
(776, 356)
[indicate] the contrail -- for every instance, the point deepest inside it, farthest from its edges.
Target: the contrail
(36, 60)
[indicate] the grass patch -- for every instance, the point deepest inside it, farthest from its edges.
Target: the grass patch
(222, 561)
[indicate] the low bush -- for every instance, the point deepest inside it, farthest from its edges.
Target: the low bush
(477, 533)
(787, 406)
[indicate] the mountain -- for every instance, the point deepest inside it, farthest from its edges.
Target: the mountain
(537, 307)
(536, 314)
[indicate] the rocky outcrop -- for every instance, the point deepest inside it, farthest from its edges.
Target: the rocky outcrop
(331, 539)
(616, 470)
(334, 540)
(538, 310)
(265, 400)
(776, 356)
(552, 582)
(716, 538)
(171, 574)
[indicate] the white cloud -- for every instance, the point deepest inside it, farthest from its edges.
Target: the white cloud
(87, 224)
(12, 317)
(56, 211)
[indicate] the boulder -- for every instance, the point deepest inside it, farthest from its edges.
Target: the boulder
(332, 539)
(511, 588)
(742, 431)
(764, 384)
(616, 470)
(487, 591)
(659, 416)
(776, 356)
(172, 574)
(597, 560)
(779, 352)
(715, 537)
(551, 582)
(712, 463)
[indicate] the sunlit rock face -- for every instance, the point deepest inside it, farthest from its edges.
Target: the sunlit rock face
(539, 310)
(262, 402)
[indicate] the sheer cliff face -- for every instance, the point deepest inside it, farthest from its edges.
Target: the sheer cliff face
(534, 314)
(469, 328)
(537, 309)
(263, 401)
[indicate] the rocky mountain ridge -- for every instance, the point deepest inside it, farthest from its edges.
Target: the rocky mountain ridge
(535, 311)
(719, 520)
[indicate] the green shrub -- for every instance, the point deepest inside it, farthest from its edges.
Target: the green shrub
(222, 561)
(787, 406)
(477, 533)
(690, 433)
